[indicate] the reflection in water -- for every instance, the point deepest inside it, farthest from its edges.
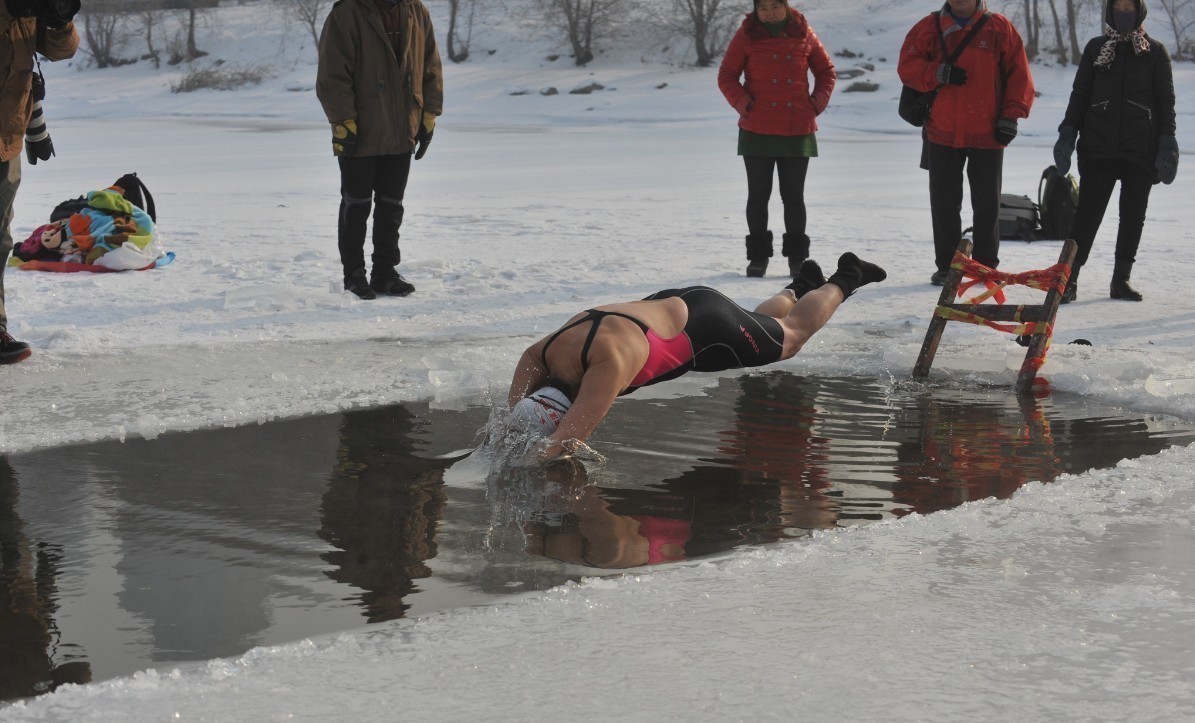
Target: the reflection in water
(205, 544)
(30, 659)
(381, 509)
(798, 455)
(957, 452)
(570, 522)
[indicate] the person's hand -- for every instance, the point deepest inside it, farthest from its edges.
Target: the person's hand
(41, 149)
(948, 74)
(1064, 148)
(1167, 160)
(744, 104)
(1006, 130)
(344, 138)
(424, 137)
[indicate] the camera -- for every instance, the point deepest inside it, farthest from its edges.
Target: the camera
(38, 145)
(54, 13)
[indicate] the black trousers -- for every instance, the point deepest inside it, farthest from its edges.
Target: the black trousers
(380, 182)
(985, 169)
(1096, 181)
(792, 172)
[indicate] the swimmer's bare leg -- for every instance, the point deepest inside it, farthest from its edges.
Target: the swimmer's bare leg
(814, 309)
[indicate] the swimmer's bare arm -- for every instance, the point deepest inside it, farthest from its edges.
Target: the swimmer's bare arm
(529, 375)
(599, 388)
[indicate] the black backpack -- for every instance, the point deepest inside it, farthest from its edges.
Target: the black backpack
(1019, 218)
(1057, 199)
(135, 193)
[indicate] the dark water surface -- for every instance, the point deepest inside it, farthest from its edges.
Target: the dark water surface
(116, 557)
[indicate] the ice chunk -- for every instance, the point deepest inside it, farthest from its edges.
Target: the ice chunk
(1169, 385)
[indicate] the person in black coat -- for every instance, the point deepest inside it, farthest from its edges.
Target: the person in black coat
(1121, 113)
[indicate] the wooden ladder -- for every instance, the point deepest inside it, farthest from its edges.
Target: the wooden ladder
(1041, 314)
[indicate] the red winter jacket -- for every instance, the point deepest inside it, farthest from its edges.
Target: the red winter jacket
(998, 80)
(774, 97)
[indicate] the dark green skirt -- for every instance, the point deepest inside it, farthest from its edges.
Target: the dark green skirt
(758, 144)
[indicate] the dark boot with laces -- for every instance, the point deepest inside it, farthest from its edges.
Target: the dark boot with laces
(388, 282)
(11, 350)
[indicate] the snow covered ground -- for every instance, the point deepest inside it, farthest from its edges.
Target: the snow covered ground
(1068, 601)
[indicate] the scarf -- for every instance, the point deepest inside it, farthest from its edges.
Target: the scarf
(1107, 54)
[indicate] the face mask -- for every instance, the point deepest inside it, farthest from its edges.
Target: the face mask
(1125, 21)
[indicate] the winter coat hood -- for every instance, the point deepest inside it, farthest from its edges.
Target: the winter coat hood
(796, 26)
(1141, 13)
(980, 7)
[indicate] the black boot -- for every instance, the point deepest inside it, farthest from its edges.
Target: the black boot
(388, 282)
(11, 350)
(356, 283)
(1071, 292)
(854, 272)
(1120, 288)
(796, 249)
(759, 250)
(808, 278)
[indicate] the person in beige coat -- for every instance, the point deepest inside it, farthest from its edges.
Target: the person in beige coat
(381, 86)
(25, 28)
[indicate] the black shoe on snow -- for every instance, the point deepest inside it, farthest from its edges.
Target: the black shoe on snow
(808, 278)
(358, 285)
(391, 283)
(939, 277)
(757, 268)
(11, 350)
(1120, 289)
(1070, 293)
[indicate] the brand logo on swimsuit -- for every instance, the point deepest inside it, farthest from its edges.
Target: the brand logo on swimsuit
(749, 338)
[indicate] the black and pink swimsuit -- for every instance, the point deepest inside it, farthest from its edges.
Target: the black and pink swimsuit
(718, 335)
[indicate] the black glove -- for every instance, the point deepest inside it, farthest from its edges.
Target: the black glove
(950, 74)
(1064, 148)
(1006, 130)
(344, 138)
(1167, 161)
(423, 138)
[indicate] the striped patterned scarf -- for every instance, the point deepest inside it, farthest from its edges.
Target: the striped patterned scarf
(1107, 54)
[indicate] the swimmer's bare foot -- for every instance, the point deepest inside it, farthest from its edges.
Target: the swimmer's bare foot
(809, 277)
(854, 272)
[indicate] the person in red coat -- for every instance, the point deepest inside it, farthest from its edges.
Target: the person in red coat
(765, 77)
(981, 96)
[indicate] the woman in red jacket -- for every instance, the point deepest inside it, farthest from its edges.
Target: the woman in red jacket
(765, 77)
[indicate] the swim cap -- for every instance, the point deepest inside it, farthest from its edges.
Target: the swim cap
(540, 412)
